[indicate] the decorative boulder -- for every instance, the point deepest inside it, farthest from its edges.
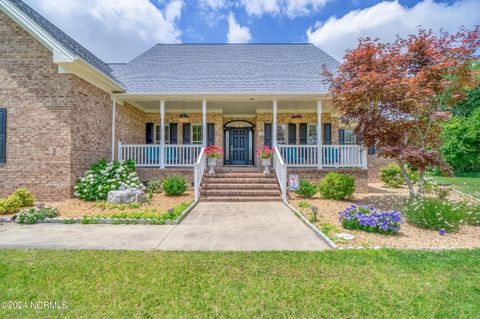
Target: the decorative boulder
(126, 196)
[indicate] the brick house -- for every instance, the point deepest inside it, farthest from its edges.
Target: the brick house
(62, 108)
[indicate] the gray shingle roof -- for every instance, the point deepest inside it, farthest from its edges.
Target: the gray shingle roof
(63, 38)
(226, 68)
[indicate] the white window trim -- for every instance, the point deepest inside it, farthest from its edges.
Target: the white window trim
(345, 137)
(201, 135)
(314, 141)
(279, 126)
(156, 128)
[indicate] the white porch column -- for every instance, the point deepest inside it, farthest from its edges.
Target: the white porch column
(162, 134)
(204, 122)
(274, 124)
(114, 119)
(319, 134)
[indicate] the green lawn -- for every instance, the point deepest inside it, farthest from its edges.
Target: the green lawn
(468, 184)
(333, 284)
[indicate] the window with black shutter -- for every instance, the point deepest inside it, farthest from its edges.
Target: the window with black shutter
(303, 133)
(173, 133)
(210, 134)
(327, 134)
(3, 135)
(149, 133)
(268, 135)
(341, 136)
(292, 134)
(372, 150)
(186, 133)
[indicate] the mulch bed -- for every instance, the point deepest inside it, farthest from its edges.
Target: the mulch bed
(75, 208)
(385, 199)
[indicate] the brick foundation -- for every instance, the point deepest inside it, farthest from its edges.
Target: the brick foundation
(315, 175)
(147, 174)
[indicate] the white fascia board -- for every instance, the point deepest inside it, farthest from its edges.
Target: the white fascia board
(86, 71)
(222, 95)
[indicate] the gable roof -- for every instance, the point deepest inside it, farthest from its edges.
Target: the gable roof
(226, 68)
(65, 40)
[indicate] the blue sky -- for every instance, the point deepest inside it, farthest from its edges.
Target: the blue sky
(118, 30)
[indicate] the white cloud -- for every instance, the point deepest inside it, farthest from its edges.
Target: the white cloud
(237, 33)
(386, 19)
(115, 30)
(212, 4)
(290, 8)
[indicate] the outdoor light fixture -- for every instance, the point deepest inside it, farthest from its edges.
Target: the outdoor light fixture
(184, 118)
(296, 119)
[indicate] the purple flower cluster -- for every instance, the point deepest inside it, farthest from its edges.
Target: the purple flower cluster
(371, 219)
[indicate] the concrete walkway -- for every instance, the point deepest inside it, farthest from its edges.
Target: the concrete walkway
(210, 226)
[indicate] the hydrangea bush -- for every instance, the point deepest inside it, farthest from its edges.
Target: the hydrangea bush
(104, 177)
(371, 220)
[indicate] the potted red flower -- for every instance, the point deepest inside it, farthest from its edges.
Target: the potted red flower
(265, 154)
(213, 153)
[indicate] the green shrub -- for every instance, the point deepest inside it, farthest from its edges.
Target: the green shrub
(12, 204)
(306, 189)
(304, 204)
(175, 185)
(104, 177)
(32, 215)
(25, 196)
(337, 186)
(391, 175)
(471, 213)
(153, 186)
(434, 213)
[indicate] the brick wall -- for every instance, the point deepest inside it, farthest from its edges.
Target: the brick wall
(375, 163)
(38, 101)
(57, 124)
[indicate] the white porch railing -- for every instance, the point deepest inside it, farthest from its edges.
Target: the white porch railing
(198, 171)
(150, 155)
(338, 156)
(281, 171)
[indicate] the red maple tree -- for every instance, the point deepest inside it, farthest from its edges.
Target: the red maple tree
(398, 93)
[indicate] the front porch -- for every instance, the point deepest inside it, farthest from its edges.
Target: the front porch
(173, 134)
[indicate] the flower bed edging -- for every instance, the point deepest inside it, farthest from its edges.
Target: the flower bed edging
(314, 228)
(111, 221)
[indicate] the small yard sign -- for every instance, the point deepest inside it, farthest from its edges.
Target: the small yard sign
(294, 182)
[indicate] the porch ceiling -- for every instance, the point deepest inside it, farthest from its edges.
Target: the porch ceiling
(232, 107)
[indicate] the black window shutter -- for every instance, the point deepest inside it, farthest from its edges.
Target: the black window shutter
(149, 133)
(268, 135)
(173, 133)
(210, 134)
(3, 135)
(341, 136)
(186, 133)
(303, 133)
(327, 134)
(292, 134)
(372, 150)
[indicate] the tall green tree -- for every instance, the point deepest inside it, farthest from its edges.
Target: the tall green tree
(461, 142)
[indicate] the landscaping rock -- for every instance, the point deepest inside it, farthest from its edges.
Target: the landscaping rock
(345, 236)
(127, 196)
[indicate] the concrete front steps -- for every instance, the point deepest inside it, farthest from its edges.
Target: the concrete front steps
(240, 185)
